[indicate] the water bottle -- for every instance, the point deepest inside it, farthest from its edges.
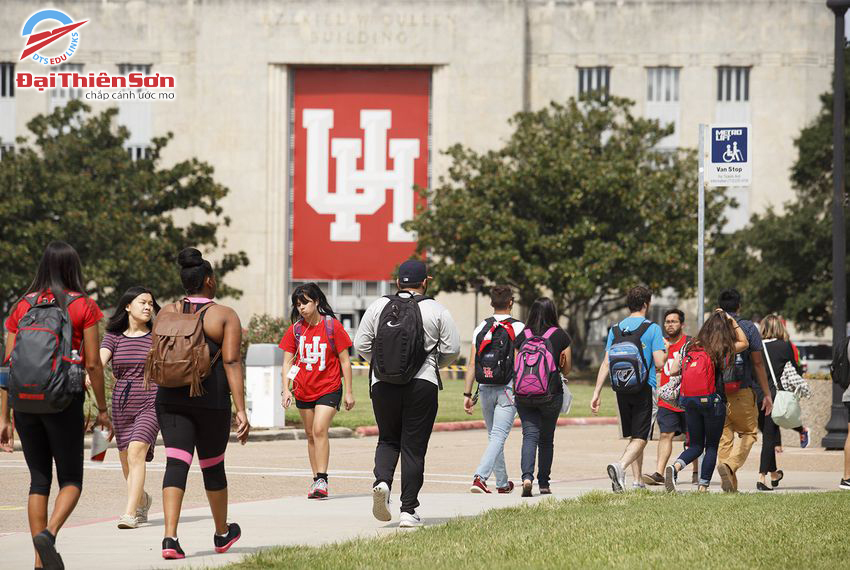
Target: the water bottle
(75, 373)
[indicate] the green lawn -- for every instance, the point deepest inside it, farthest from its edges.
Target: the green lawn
(451, 404)
(603, 530)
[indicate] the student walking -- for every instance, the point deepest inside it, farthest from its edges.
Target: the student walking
(491, 364)
(742, 413)
(778, 353)
(634, 350)
(671, 420)
(52, 335)
(315, 354)
(405, 337)
(126, 345)
(701, 363)
(197, 415)
(543, 355)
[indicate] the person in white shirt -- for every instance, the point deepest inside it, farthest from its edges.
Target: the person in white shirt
(404, 399)
(491, 364)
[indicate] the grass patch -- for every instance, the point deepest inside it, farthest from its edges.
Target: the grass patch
(603, 530)
(451, 404)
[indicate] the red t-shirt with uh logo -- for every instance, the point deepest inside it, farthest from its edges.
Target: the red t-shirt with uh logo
(320, 371)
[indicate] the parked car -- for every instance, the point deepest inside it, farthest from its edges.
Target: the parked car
(815, 358)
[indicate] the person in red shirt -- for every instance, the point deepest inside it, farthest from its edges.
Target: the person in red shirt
(56, 437)
(316, 354)
(671, 420)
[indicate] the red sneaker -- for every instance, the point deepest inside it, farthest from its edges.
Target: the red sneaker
(506, 489)
(478, 486)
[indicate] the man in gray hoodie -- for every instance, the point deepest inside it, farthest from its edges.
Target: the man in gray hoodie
(405, 410)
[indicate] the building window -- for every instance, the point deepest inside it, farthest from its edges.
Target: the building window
(139, 152)
(593, 79)
(662, 84)
(662, 101)
(126, 69)
(733, 84)
(346, 288)
(59, 95)
(7, 80)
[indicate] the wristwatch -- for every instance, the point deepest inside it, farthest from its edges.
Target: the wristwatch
(467, 394)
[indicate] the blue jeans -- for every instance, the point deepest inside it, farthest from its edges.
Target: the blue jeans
(705, 416)
(538, 437)
(497, 405)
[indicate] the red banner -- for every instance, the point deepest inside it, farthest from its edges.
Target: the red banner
(361, 144)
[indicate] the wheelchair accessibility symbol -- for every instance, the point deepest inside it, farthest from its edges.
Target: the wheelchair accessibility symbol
(733, 154)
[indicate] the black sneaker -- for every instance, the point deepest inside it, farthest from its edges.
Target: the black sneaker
(45, 545)
(845, 484)
(223, 543)
(171, 549)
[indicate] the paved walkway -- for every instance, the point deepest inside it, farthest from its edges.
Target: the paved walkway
(268, 480)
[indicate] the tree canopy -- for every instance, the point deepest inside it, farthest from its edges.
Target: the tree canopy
(76, 182)
(579, 204)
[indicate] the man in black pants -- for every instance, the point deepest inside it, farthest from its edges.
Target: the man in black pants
(405, 412)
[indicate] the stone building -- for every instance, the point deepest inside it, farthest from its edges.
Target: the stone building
(241, 65)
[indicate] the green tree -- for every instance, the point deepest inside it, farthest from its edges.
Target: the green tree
(782, 261)
(579, 204)
(76, 182)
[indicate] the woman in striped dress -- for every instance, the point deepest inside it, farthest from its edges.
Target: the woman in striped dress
(126, 344)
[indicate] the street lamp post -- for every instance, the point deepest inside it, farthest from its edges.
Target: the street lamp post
(837, 426)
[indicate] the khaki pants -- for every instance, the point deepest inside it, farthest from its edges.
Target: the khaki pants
(742, 419)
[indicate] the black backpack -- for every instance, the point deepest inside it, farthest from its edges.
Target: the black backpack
(43, 376)
(494, 357)
(399, 345)
(840, 367)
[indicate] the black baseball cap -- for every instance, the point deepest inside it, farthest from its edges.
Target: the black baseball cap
(412, 271)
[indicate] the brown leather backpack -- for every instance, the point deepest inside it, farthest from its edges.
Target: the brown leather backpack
(179, 354)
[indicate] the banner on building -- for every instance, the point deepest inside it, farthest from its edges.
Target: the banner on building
(360, 145)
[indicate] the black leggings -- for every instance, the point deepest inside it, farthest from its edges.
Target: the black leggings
(46, 438)
(185, 428)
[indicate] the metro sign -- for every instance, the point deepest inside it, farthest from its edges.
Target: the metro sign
(360, 146)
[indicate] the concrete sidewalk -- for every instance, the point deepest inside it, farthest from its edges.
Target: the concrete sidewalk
(291, 521)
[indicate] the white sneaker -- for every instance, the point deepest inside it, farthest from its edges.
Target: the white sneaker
(381, 502)
(637, 485)
(618, 477)
(144, 507)
(409, 520)
(127, 521)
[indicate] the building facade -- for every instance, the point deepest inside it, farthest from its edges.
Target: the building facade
(257, 79)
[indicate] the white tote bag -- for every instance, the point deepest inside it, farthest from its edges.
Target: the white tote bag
(786, 406)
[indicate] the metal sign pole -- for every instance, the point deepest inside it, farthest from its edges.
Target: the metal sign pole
(701, 231)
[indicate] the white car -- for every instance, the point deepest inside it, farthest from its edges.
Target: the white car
(815, 358)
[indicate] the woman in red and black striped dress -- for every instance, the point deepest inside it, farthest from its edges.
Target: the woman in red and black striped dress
(126, 345)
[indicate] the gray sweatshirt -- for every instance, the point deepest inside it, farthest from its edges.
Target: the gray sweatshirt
(439, 327)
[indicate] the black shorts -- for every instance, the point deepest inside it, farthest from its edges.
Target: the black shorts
(636, 413)
(331, 399)
(671, 422)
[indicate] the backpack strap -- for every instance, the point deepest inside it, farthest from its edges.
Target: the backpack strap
(550, 332)
(329, 332)
(202, 312)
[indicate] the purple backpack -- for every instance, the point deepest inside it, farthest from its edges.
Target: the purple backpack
(536, 369)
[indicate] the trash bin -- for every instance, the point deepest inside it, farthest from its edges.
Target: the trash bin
(263, 366)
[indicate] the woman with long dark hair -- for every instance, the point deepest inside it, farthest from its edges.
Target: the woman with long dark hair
(702, 395)
(126, 345)
(202, 419)
(48, 438)
(315, 355)
(539, 416)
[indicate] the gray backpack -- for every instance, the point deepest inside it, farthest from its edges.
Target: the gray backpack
(43, 375)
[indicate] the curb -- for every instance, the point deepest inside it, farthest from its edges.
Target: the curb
(365, 431)
(274, 434)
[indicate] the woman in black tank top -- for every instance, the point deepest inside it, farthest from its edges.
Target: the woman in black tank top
(202, 422)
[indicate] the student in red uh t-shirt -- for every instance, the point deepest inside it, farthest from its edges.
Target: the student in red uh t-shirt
(56, 437)
(671, 420)
(316, 353)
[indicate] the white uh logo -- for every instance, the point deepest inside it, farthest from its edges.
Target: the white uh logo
(374, 180)
(312, 353)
